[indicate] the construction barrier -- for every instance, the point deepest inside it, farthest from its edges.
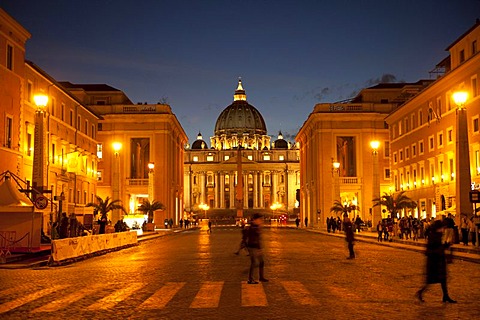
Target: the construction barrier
(71, 248)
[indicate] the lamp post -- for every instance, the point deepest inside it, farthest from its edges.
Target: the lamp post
(336, 180)
(117, 146)
(151, 176)
(39, 163)
(462, 167)
(377, 215)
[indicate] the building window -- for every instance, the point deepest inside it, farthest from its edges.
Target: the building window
(281, 157)
(452, 169)
(431, 143)
(462, 56)
(62, 115)
(29, 144)
(9, 57)
(53, 153)
(195, 158)
(99, 151)
(266, 157)
(477, 161)
(449, 136)
(422, 175)
(209, 158)
(400, 155)
(79, 122)
(394, 157)
(420, 117)
(414, 178)
(29, 91)
(387, 173)
(86, 127)
(8, 132)
(71, 118)
(420, 147)
(100, 175)
(225, 158)
(93, 131)
(474, 47)
(52, 107)
(475, 124)
(440, 139)
(250, 157)
(407, 153)
(407, 125)
(439, 107)
(474, 86)
(414, 150)
(414, 124)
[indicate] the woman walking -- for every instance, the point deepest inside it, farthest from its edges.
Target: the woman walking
(436, 262)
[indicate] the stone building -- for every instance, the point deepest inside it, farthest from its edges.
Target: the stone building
(268, 169)
(425, 134)
(341, 134)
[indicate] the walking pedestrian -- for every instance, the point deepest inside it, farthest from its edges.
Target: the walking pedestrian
(306, 222)
(436, 262)
(464, 229)
(449, 225)
(349, 235)
(379, 231)
(209, 226)
(297, 222)
(255, 249)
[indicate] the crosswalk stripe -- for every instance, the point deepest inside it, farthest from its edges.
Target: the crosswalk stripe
(8, 291)
(160, 298)
(343, 293)
(253, 295)
(118, 296)
(61, 302)
(299, 294)
(28, 298)
(208, 296)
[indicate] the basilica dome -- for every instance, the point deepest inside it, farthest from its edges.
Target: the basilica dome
(240, 118)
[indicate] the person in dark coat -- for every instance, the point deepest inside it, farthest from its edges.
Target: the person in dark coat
(349, 235)
(63, 227)
(436, 262)
(255, 248)
(306, 222)
(102, 222)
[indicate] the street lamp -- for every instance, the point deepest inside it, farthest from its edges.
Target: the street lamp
(117, 146)
(151, 176)
(39, 163)
(377, 215)
(336, 178)
(462, 167)
(204, 207)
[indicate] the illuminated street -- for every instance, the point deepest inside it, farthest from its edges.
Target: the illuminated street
(195, 275)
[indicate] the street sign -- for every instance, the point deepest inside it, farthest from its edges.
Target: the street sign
(41, 202)
(475, 196)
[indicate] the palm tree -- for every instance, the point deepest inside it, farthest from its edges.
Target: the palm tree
(148, 207)
(343, 209)
(103, 207)
(395, 203)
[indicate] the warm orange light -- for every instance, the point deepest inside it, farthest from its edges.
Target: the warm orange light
(151, 165)
(40, 100)
(460, 97)
(375, 144)
(336, 165)
(117, 146)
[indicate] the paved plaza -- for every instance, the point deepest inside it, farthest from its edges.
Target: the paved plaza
(195, 275)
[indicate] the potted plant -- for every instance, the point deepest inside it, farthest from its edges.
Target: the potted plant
(149, 208)
(103, 207)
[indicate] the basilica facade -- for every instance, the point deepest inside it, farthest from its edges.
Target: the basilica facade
(242, 170)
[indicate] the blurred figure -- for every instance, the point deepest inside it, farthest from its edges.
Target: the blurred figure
(380, 231)
(243, 242)
(464, 229)
(63, 227)
(349, 235)
(436, 262)
(449, 225)
(255, 248)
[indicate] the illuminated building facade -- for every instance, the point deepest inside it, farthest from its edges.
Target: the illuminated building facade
(341, 134)
(132, 136)
(424, 134)
(60, 159)
(270, 170)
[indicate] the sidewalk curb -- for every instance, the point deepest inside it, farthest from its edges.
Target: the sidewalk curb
(471, 256)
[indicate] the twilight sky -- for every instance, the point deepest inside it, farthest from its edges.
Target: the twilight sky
(289, 54)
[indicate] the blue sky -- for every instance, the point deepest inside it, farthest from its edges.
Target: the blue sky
(289, 54)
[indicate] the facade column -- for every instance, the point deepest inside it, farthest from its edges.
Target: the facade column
(222, 190)
(217, 189)
(255, 189)
(260, 191)
(232, 190)
(274, 186)
(245, 190)
(203, 189)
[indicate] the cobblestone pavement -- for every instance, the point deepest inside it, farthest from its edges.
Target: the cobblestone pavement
(195, 275)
